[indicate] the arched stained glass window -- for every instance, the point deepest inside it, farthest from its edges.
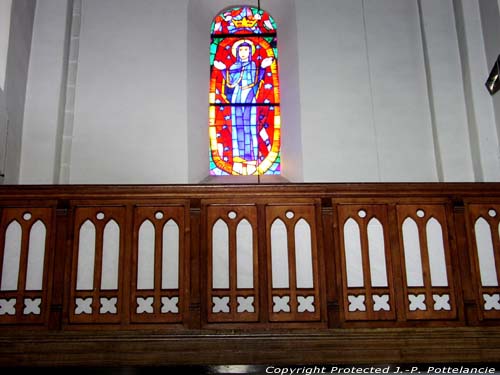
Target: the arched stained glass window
(244, 109)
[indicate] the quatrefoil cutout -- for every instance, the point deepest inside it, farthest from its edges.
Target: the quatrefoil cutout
(32, 306)
(381, 303)
(8, 306)
(491, 301)
(356, 303)
(220, 304)
(169, 305)
(245, 304)
(281, 304)
(306, 304)
(108, 305)
(83, 306)
(441, 302)
(417, 302)
(145, 305)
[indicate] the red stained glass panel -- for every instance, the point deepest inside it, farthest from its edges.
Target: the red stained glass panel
(244, 113)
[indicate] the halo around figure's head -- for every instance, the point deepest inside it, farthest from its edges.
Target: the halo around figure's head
(234, 50)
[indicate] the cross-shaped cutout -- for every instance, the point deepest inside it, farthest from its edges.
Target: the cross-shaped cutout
(491, 302)
(245, 304)
(417, 302)
(221, 304)
(356, 303)
(8, 306)
(83, 306)
(108, 305)
(441, 302)
(169, 304)
(281, 304)
(32, 306)
(305, 304)
(144, 305)
(381, 302)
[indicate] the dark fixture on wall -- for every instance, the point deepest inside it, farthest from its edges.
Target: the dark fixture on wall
(493, 82)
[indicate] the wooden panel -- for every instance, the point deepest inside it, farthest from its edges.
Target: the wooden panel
(95, 304)
(426, 301)
(487, 293)
(293, 304)
(372, 300)
(163, 302)
(20, 305)
(232, 303)
(446, 348)
(443, 237)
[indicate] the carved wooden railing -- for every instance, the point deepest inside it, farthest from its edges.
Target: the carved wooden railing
(200, 262)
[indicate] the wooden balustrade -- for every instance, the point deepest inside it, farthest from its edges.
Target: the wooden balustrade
(286, 263)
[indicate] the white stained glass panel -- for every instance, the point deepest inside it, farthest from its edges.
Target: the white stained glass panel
(244, 255)
(303, 255)
(437, 260)
(376, 251)
(220, 255)
(36, 256)
(146, 257)
(11, 256)
(485, 253)
(110, 256)
(170, 258)
(86, 257)
(413, 260)
(279, 255)
(353, 257)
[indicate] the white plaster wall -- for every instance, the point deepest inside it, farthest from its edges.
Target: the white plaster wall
(371, 91)
(285, 14)
(15, 84)
(197, 87)
(446, 91)
(130, 106)
(5, 6)
(490, 21)
(363, 91)
(338, 134)
(43, 100)
(401, 105)
(480, 111)
(490, 17)
(3, 132)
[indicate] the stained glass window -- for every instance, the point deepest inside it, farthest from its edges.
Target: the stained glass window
(244, 98)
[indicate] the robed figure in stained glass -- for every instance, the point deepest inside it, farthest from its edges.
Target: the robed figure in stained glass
(244, 115)
(242, 81)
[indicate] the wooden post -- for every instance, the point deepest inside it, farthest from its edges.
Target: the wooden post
(195, 265)
(59, 256)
